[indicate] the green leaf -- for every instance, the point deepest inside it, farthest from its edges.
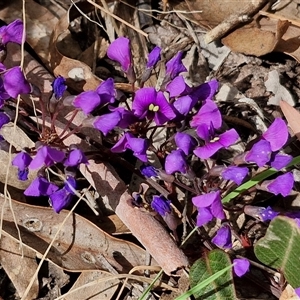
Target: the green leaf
(280, 248)
(220, 288)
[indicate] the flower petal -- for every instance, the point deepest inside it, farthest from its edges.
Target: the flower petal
(185, 142)
(206, 200)
(161, 205)
(87, 101)
(175, 66)
(60, 199)
(59, 86)
(236, 174)
(15, 82)
(283, 184)
(142, 99)
(119, 50)
(241, 266)
(22, 160)
(154, 57)
(165, 112)
(260, 153)
(13, 32)
(178, 87)
(107, 122)
(223, 238)
(75, 158)
(175, 162)
(40, 187)
(277, 134)
(204, 216)
(279, 161)
(106, 91)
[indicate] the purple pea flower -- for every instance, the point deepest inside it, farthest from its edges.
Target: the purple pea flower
(15, 82)
(59, 87)
(127, 116)
(178, 87)
(4, 119)
(222, 238)
(260, 153)
(22, 161)
(209, 206)
(175, 162)
(60, 199)
(106, 91)
(205, 91)
(40, 187)
(236, 174)
(75, 158)
(209, 114)
(87, 101)
(119, 50)
(13, 32)
(277, 134)
(174, 67)
(260, 213)
(3, 94)
(185, 142)
(282, 184)
(139, 146)
(154, 57)
(153, 105)
(161, 205)
(279, 160)
(107, 122)
(213, 144)
(47, 156)
(241, 266)
(297, 291)
(148, 171)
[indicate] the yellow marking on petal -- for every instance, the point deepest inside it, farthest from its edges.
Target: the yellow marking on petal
(155, 108)
(151, 106)
(215, 139)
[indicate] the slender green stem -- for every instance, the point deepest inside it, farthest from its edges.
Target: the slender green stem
(256, 179)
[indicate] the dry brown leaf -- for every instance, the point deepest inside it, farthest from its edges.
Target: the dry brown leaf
(78, 75)
(292, 116)
(103, 290)
(19, 267)
(80, 245)
(39, 24)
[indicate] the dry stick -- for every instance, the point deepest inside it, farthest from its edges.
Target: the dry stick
(278, 17)
(233, 20)
(118, 18)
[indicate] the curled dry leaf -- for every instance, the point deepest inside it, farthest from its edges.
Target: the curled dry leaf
(78, 75)
(80, 244)
(20, 265)
(292, 116)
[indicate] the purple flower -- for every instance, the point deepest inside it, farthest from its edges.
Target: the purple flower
(297, 291)
(279, 161)
(3, 94)
(106, 91)
(154, 57)
(127, 117)
(13, 32)
(211, 146)
(241, 266)
(137, 145)
(15, 82)
(40, 187)
(178, 87)
(209, 114)
(261, 213)
(161, 205)
(236, 174)
(107, 122)
(205, 91)
(276, 134)
(223, 237)
(148, 171)
(75, 158)
(47, 156)
(282, 184)
(175, 66)
(209, 206)
(59, 87)
(4, 119)
(153, 105)
(175, 162)
(87, 101)
(60, 199)
(260, 153)
(22, 161)
(119, 50)
(183, 105)
(185, 142)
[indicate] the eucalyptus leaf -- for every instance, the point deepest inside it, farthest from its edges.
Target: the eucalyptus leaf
(280, 248)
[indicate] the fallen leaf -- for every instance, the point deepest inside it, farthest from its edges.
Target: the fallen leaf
(20, 264)
(292, 116)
